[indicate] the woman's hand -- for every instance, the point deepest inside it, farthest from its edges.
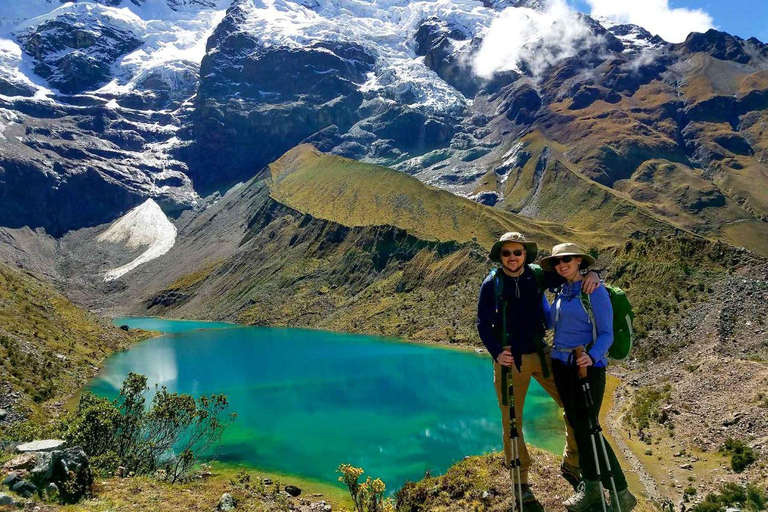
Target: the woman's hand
(591, 282)
(583, 361)
(505, 358)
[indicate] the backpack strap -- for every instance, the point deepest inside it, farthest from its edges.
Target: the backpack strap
(538, 275)
(501, 304)
(586, 303)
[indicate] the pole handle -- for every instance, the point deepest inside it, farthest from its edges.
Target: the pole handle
(582, 369)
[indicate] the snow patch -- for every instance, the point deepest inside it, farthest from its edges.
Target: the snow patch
(145, 225)
(16, 68)
(7, 118)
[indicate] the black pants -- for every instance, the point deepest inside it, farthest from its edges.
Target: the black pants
(577, 414)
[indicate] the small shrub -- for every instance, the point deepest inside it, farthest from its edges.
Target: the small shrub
(368, 496)
(741, 454)
(646, 406)
(749, 498)
(166, 435)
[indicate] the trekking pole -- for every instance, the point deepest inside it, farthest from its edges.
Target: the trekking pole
(596, 434)
(514, 470)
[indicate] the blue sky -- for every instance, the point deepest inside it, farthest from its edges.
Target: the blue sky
(744, 18)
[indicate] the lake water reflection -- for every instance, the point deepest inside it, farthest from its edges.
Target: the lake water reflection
(309, 400)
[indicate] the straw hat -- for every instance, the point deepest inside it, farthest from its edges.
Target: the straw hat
(567, 249)
(531, 249)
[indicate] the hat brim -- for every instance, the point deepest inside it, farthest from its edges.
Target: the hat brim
(586, 261)
(531, 250)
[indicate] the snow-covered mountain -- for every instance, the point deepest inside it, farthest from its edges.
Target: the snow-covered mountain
(105, 104)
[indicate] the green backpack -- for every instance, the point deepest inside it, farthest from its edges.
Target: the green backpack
(623, 316)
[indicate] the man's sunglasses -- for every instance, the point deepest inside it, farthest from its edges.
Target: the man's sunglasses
(564, 259)
(507, 253)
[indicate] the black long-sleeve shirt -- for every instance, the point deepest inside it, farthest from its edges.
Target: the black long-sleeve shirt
(527, 315)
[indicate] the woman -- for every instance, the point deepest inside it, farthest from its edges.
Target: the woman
(573, 328)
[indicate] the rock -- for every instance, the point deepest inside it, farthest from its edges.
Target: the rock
(292, 490)
(121, 472)
(226, 502)
(267, 481)
(24, 488)
(69, 469)
(21, 464)
(124, 327)
(47, 445)
(5, 499)
(11, 479)
(3, 414)
(52, 490)
(686, 466)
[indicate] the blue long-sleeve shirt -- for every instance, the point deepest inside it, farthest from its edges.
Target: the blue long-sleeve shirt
(572, 325)
(527, 316)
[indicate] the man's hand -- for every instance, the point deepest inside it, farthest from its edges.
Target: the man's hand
(505, 358)
(591, 282)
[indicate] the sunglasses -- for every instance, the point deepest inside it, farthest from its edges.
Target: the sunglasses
(564, 259)
(508, 253)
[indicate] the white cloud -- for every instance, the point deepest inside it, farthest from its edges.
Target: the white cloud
(523, 37)
(656, 16)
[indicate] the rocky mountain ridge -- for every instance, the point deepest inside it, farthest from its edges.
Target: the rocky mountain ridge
(216, 91)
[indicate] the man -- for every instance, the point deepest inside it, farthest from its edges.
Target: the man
(525, 353)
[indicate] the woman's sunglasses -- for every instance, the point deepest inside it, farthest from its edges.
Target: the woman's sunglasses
(508, 253)
(564, 259)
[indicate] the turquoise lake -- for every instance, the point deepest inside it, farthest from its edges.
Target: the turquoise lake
(309, 400)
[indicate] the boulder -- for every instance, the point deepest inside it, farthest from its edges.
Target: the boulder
(226, 502)
(24, 488)
(292, 490)
(11, 480)
(21, 465)
(5, 499)
(68, 469)
(47, 445)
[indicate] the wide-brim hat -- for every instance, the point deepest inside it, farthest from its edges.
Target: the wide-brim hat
(567, 249)
(531, 249)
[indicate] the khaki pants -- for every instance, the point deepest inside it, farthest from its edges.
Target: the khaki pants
(531, 367)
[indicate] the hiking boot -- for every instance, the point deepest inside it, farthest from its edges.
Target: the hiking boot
(625, 500)
(528, 496)
(587, 494)
(529, 500)
(571, 475)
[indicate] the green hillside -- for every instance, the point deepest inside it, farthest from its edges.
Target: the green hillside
(355, 194)
(48, 346)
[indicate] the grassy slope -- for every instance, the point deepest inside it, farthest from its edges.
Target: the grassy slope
(358, 194)
(48, 346)
(571, 198)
